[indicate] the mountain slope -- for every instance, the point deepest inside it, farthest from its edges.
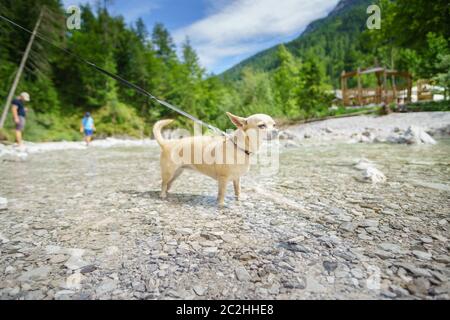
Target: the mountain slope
(334, 40)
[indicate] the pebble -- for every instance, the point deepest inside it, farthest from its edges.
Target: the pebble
(106, 286)
(200, 290)
(330, 266)
(36, 274)
(75, 263)
(88, 269)
(426, 239)
(294, 283)
(369, 223)
(390, 247)
(347, 226)
(422, 254)
(242, 274)
(419, 286)
(73, 282)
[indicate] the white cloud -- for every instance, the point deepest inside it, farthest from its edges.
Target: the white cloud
(242, 27)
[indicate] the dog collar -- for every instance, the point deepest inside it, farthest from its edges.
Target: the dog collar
(246, 151)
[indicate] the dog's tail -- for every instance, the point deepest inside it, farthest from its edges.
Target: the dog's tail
(157, 130)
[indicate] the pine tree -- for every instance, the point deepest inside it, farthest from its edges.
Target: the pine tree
(286, 82)
(163, 43)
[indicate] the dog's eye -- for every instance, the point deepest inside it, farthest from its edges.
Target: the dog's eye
(262, 126)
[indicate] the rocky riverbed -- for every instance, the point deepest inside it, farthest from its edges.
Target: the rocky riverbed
(88, 224)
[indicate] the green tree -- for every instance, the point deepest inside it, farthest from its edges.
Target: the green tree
(286, 82)
(314, 96)
(163, 43)
(191, 61)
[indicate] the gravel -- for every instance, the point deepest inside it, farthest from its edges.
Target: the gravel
(89, 224)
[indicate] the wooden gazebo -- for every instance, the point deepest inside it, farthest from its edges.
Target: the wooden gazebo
(388, 89)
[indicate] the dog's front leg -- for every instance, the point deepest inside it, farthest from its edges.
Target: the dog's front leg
(237, 188)
(222, 190)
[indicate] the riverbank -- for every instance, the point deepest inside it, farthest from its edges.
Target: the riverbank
(348, 129)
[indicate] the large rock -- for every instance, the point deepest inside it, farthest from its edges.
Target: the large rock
(373, 175)
(3, 203)
(369, 173)
(414, 135)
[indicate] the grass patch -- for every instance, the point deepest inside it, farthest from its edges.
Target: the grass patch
(443, 105)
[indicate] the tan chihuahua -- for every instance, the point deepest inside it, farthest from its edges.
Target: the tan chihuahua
(222, 158)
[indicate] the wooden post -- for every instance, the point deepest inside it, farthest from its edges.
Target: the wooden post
(385, 87)
(386, 108)
(360, 102)
(378, 97)
(343, 88)
(409, 98)
(19, 71)
(394, 89)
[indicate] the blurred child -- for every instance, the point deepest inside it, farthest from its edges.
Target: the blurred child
(87, 127)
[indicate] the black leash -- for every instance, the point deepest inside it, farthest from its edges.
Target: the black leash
(121, 80)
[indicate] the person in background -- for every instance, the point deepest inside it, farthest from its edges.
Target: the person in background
(19, 112)
(87, 127)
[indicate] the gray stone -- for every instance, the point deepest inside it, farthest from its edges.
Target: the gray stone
(34, 295)
(419, 286)
(138, 286)
(106, 286)
(357, 273)
(399, 291)
(442, 258)
(347, 226)
(330, 266)
(426, 239)
(199, 289)
(369, 223)
(294, 282)
(242, 274)
(88, 269)
(64, 295)
(295, 247)
(51, 249)
(422, 254)
(59, 258)
(416, 271)
(392, 247)
(35, 274)
(75, 263)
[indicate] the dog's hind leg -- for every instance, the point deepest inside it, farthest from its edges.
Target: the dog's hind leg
(237, 188)
(168, 172)
(174, 177)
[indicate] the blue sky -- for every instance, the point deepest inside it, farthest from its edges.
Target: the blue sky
(223, 32)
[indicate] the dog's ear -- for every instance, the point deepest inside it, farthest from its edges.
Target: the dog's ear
(237, 121)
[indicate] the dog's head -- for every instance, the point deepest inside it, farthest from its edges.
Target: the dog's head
(256, 128)
(263, 124)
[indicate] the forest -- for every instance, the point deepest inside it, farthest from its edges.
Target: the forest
(293, 81)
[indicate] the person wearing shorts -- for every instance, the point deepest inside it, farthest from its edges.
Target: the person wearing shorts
(19, 114)
(87, 127)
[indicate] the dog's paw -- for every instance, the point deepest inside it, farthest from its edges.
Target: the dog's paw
(241, 198)
(163, 195)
